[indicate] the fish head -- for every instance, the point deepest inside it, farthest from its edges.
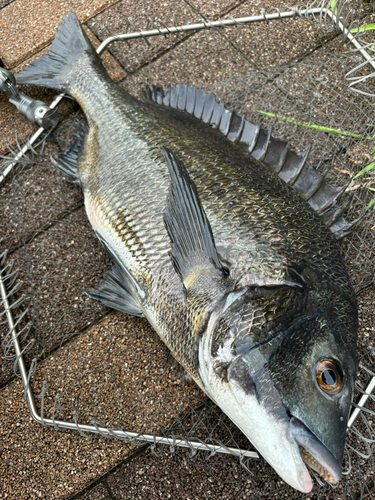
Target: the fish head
(289, 389)
(313, 370)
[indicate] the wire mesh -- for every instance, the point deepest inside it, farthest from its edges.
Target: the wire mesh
(101, 367)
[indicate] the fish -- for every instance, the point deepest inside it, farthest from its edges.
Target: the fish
(214, 230)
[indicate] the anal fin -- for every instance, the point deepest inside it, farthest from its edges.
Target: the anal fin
(68, 161)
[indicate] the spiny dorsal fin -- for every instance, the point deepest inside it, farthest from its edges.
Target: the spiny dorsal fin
(193, 251)
(67, 162)
(292, 166)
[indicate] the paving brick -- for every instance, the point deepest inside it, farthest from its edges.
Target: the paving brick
(115, 373)
(42, 463)
(34, 197)
(99, 492)
(209, 57)
(277, 42)
(11, 122)
(176, 476)
(57, 267)
(114, 21)
(265, 44)
(199, 61)
(3, 3)
(21, 35)
(212, 9)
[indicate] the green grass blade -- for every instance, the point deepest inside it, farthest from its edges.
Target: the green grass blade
(364, 170)
(371, 204)
(333, 5)
(361, 29)
(316, 127)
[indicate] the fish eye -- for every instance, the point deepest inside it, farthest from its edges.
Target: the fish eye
(329, 376)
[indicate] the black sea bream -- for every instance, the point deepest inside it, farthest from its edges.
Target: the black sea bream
(235, 271)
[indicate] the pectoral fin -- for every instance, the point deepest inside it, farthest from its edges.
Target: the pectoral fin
(193, 252)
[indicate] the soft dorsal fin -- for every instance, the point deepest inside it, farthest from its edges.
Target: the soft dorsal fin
(292, 166)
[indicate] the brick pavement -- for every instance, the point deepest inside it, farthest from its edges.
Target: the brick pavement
(64, 465)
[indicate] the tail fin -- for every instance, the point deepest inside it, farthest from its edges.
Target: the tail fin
(70, 44)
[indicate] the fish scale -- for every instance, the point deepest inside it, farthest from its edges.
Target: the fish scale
(265, 232)
(237, 274)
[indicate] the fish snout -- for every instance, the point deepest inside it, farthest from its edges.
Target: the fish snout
(314, 453)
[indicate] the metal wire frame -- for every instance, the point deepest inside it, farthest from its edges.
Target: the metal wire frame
(140, 438)
(97, 428)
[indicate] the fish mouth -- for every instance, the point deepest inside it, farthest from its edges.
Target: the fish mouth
(314, 453)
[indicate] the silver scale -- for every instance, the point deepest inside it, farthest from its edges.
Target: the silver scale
(46, 118)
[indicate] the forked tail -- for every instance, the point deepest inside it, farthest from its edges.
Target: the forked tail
(70, 49)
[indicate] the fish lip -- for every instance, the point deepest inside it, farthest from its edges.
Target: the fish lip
(309, 442)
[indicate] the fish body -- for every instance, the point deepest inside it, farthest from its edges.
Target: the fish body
(240, 278)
